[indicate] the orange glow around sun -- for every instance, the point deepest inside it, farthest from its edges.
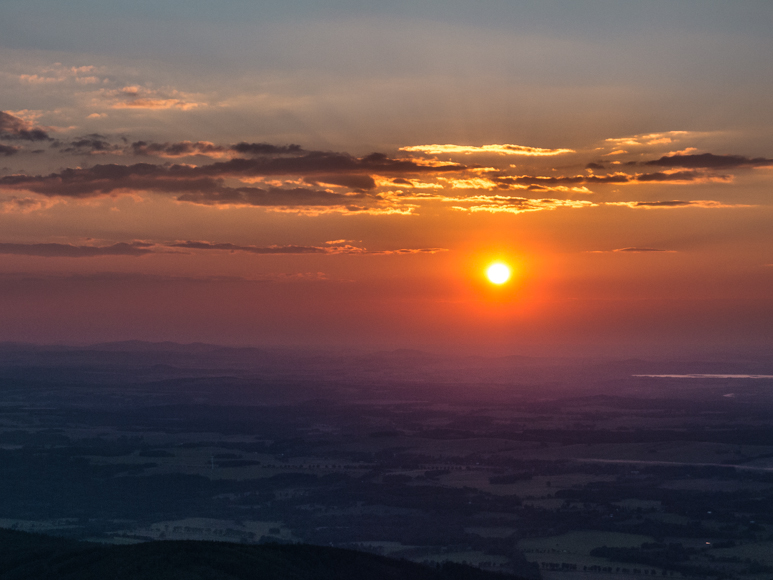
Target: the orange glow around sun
(498, 273)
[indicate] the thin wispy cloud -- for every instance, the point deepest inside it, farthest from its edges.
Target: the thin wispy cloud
(137, 97)
(73, 251)
(514, 205)
(677, 203)
(330, 248)
(136, 249)
(58, 73)
(504, 149)
(633, 250)
(663, 138)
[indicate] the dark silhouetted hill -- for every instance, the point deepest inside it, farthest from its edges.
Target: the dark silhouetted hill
(25, 556)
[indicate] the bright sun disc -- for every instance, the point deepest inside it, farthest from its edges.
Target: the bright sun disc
(498, 273)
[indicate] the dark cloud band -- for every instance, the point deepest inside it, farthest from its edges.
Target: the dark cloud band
(71, 251)
(708, 161)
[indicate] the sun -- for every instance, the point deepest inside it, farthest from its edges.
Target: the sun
(498, 273)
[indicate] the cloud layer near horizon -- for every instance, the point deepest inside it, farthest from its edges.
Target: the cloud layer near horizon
(291, 178)
(142, 248)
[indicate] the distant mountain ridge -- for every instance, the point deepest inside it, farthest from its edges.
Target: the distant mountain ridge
(25, 556)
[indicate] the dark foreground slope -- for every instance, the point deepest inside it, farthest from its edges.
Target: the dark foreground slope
(26, 556)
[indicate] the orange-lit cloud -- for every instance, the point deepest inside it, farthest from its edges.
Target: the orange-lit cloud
(685, 151)
(515, 205)
(82, 75)
(409, 183)
(681, 177)
(505, 149)
(676, 203)
(509, 204)
(469, 183)
(136, 97)
(14, 204)
(289, 178)
(633, 250)
(550, 182)
(553, 183)
(650, 138)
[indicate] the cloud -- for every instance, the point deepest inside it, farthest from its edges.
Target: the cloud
(330, 248)
(516, 205)
(510, 204)
(290, 178)
(249, 249)
(206, 184)
(650, 138)
(82, 75)
(470, 183)
(505, 149)
(136, 97)
(7, 150)
(685, 151)
(14, 128)
(356, 182)
(320, 163)
(413, 183)
(404, 251)
(71, 251)
(545, 182)
(103, 180)
(708, 161)
(677, 176)
(106, 90)
(93, 144)
(632, 250)
(635, 250)
(187, 184)
(675, 203)
(53, 250)
(14, 204)
(172, 150)
(276, 197)
(266, 149)
(557, 183)
(178, 149)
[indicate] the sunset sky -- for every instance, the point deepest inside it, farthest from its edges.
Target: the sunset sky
(341, 174)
